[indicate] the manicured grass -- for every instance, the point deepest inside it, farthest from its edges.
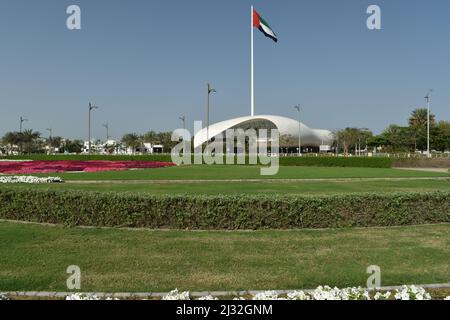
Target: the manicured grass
(245, 172)
(35, 257)
(252, 188)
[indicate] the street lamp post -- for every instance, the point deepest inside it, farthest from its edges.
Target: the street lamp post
(50, 132)
(91, 107)
(50, 148)
(210, 90)
(22, 120)
(297, 107)
(428, 98)
(106, 125)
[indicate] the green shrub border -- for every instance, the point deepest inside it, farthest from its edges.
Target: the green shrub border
(81, 208)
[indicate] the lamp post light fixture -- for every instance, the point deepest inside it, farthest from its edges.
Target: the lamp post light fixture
(298, 107)
(183, 119)
(91, 107)
(22, 120)
(428, 98)
(210, 90)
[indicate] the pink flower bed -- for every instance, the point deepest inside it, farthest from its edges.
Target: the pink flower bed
(28, 167)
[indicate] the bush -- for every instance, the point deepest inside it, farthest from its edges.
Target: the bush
(422, 163)
(326, 161)
(77, 208)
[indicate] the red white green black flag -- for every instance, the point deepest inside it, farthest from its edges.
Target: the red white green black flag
(263, 26)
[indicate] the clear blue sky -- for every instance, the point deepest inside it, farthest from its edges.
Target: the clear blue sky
(147, 62)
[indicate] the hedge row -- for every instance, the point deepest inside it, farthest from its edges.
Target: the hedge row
(443, 163)
(321, 161)
(77, 208)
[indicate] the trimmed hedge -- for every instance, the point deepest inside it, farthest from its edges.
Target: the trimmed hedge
(322, 161)
(443, 163)
(79, 208)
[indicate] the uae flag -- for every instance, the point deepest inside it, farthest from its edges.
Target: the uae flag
(263, 26)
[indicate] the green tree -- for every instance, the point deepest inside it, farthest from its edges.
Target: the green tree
(398, 139)
(72, 146)
(131, 140)
(440, 136)
(11, 139)
(29, 140)
(418, 122)
(349, 138)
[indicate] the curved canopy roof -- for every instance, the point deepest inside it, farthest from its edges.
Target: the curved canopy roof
(286, 126)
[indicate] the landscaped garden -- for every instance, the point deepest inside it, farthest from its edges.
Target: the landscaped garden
(222, 203)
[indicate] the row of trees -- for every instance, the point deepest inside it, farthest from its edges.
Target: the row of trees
(29, 141)
(135, 141)
(395, 138)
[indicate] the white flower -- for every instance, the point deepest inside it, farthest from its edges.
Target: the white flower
(175, 295)
(267, 295)
(82, 296)
(412, 293)
(298, 295)
(207, 298)
(447, 298)
(381, 296)
(29, 179)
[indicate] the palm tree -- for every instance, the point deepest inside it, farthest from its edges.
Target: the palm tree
(12, 139)
(131, 140)
(29, 138)
(418, 123)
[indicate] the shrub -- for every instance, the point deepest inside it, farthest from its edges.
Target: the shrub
(77, 208)
(322, 161)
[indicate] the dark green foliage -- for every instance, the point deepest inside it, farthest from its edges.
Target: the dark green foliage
(321, 161)
(76, 208)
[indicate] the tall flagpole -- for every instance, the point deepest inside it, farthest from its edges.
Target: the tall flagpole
(252, 92)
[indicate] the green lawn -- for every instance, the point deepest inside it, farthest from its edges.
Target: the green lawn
(35, 257)
(245, 172)
(212, 180)
(261, 187)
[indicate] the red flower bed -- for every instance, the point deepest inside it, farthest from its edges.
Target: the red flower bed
(28, 167)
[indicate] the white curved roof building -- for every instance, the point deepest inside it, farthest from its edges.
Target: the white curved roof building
(285, 126)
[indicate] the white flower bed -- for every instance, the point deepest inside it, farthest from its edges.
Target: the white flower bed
(412, 293)
(176, 295)
(84, 296)
(324, 293)
(29, 179)
(321, 293)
